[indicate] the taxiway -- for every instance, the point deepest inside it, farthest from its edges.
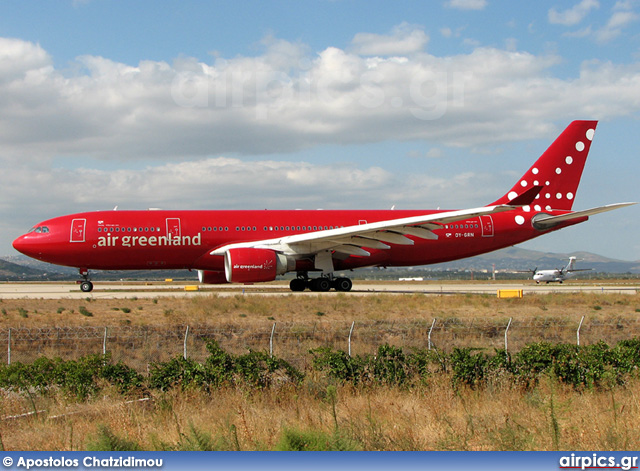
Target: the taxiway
(119, 290)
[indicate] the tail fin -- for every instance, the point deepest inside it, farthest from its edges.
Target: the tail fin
(571, 265)
(558, 170)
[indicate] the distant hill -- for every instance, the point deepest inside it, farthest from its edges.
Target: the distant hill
(514, 259)
(13, 271)
(511, 259)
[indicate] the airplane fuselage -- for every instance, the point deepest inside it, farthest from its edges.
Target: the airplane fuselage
(154, 239)
(551, 276)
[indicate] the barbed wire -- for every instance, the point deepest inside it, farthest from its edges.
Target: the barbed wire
(140, 346)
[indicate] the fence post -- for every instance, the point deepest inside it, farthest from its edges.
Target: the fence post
(9, 349)
(273, 329)
(104, 343)
(350, 332)
(430, 330)
(578, 332)
(505, 337)
(186, 335)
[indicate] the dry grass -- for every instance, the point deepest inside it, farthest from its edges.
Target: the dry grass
(433, 416)
(144, 330)
(249, 309)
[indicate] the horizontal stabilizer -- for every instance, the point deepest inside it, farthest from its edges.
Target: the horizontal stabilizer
(545, 221)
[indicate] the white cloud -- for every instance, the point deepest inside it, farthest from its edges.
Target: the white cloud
(466, 4)
(574, 15)
(622, 16)
(287, 99)
(403, 40)
(21, 58)
(170, 121)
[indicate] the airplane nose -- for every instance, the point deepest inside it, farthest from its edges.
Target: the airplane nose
(23, 245)
(19, 244)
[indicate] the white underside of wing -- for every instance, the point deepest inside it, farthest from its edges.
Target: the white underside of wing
(355, 240)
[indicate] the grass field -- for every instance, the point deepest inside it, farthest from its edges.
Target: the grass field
(321, 413)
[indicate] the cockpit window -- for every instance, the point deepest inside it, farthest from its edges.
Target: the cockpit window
(39, 230)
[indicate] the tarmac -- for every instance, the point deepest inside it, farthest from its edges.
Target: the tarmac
(120, 290)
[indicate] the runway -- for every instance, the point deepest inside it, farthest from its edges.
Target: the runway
(121, 290)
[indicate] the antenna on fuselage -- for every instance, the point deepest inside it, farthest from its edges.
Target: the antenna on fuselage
(116, 208)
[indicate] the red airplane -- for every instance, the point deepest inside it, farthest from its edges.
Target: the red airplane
(256, 246)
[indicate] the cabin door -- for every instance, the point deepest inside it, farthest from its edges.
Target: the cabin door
(77, 230)
(487, 225)
(173, 227)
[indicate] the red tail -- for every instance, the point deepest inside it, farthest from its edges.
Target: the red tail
(558, 170)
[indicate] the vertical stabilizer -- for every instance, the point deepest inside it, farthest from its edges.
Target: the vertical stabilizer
(558, 170)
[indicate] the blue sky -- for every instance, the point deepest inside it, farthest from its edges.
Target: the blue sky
(316, 104)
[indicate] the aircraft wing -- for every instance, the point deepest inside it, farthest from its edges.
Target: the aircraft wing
(353, 240)
(544, 221)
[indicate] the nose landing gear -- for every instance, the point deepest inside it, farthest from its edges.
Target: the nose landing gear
(85, 286)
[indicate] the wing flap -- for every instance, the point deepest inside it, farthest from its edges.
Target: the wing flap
(351, 250)
(393, 231)
(420, 231)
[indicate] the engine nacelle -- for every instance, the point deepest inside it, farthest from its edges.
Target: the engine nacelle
(248, 265)
(211, 277)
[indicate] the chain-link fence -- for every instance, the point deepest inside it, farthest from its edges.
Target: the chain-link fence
(139, 346)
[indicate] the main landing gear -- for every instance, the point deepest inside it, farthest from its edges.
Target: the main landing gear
(85, 286)
(320, 284)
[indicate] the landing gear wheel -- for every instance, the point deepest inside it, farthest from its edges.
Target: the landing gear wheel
(342, 284)
(86, 286)
(320, 284)
(298, 284)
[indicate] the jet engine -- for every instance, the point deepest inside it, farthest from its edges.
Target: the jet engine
(211, 277)
(249, 265)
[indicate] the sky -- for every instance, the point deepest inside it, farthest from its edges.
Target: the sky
(334, 104)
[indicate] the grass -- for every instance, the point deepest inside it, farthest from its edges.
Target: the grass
(322, 414)
(156, 329)
(430, 417)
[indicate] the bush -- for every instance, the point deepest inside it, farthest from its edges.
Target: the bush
(77, 378)
(468, 368)
(314, 440)
(339, 365)
(255, 369)
(106, 440)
